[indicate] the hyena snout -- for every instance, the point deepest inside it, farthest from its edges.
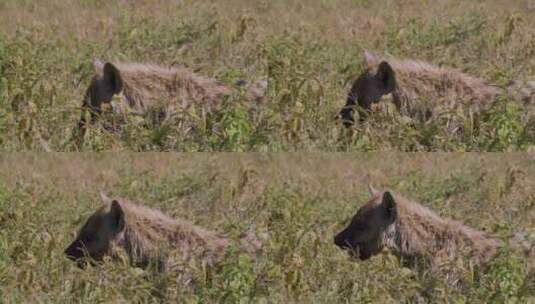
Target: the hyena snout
(76, 253)
(342, 241)
(345, 241)
(347, 117)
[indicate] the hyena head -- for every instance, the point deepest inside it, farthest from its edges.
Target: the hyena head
(367, 232)
(96, 238)
(104, 86)
(368, 89)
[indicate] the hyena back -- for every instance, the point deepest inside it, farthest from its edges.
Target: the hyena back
(412, 232)
(146, 236)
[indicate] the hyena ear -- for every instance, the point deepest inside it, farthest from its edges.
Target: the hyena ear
(105, 199)
(369, 59)
(372, 190)
(389, 206)
(98, 65)
(117, 215)
(387, 76)
(112, 78)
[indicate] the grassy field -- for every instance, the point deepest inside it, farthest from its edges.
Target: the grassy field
(309, 51)
(295, 202)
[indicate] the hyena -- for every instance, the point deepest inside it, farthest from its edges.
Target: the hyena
(413, 233)
(145, 89)
(147, 237)
(422, 90)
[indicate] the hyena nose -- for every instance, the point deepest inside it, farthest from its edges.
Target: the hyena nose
(73, 252)
(70, 255)
(340, 241)
(346, 115)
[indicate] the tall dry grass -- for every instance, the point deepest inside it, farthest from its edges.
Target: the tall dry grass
(295, 202)
(309, 51)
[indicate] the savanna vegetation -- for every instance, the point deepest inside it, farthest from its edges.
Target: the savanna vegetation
(294, 203)
(308, 51)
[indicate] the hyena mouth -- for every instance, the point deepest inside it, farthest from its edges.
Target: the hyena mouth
(352, 250)
(358, 254)
(77, 253)
(346, 116)
(82, 263)
(74, 251)
(364, 255)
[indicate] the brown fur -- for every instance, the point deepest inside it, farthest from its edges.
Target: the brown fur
(146, 236)
(412, 231)
(423, 87)
(423, 91)
(149, 86)
(151, 89)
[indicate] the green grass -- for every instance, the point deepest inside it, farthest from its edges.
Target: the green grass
(309, 51)
(295, 202)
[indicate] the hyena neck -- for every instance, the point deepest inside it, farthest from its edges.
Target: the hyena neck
(419, 232)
